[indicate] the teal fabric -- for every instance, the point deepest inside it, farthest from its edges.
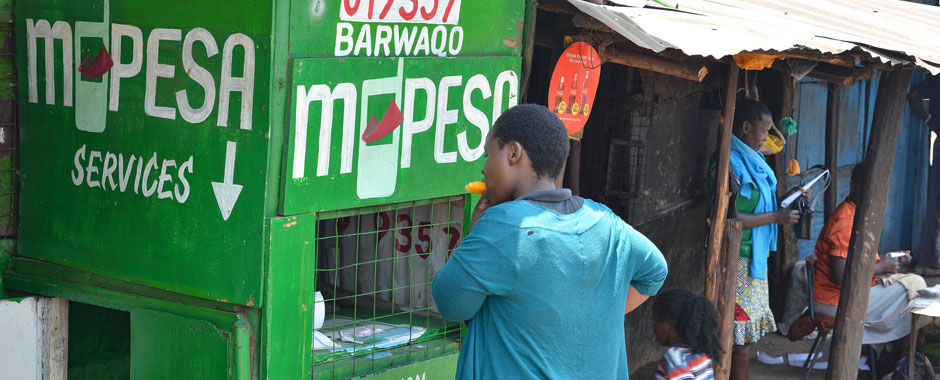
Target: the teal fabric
(752, 169)
(545, 292)
(746, 205)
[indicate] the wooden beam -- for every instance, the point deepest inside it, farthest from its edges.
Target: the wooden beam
(841, 75)
(730, 251)
(557, 6)
(787, 244)
(832, 146)
(834, 59)
(655, 63)
(584, 21)
(720, 209)
(866, 230)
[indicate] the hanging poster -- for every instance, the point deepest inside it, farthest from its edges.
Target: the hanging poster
(573, 85)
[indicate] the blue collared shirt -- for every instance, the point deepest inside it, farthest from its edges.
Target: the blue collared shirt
(545, 291)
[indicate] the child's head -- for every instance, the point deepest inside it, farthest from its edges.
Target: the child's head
(527, 143)
(679, 316)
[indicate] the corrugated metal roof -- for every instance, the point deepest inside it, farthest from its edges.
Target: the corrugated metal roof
(890, 31)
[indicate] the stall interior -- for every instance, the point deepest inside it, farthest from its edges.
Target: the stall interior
(374, 308)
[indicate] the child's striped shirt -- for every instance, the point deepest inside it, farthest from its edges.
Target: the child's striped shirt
(683, 363)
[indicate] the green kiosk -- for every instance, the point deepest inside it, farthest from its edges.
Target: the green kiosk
(253, 189)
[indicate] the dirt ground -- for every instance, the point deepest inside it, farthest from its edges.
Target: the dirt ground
(775, 345)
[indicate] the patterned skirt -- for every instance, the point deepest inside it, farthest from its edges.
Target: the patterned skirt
(752, 316)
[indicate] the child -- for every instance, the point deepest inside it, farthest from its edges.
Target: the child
(687, 324)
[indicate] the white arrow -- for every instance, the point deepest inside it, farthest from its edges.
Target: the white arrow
(226, 192)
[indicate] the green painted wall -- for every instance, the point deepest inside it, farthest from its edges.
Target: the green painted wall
(440, 368)
(9, 184)
(170, 347)
(5, 258)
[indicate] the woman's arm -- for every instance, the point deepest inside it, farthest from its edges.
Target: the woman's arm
(782, 216)
(634, 299)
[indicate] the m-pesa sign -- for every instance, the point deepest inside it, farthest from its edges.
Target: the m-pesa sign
(392, 129)
(144, 140)
(96, 94)
(395, 110)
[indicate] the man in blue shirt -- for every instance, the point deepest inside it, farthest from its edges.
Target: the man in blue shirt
(544, 277)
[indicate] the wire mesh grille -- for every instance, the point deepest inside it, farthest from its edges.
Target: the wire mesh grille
(374, 272)
(631, 123)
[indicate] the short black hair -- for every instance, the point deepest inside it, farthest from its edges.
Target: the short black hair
(542, 135)
(748, 110)
(694, 317)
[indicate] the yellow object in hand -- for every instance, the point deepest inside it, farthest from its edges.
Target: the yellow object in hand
(476, 187)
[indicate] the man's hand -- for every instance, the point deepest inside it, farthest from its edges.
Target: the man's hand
(887, 265)
(903, 260)
(481, 206)
(787, 217)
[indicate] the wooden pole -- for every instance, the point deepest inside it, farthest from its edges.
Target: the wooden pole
(574, 167)
(912, 349)
(720, 209)
(730, 251)
(787, 245)
(528, 47)
(832, 145)
(866, 230)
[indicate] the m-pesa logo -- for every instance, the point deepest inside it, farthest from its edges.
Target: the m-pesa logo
(381, 118)
(93, 84)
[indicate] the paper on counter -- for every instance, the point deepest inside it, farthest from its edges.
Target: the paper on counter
(323, 342)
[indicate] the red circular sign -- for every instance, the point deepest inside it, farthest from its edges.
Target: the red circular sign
(574, 83)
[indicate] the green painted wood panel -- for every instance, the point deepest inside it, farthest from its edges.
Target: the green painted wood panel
(403, 28)
(288, 314)
(435, 369)
(445, 107)
(155, 171)
(170, 347)
(6, 10)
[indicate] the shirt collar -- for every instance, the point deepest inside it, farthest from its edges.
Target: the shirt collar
(557, 195)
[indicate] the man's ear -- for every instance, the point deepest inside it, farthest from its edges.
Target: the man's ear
(514, 152)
